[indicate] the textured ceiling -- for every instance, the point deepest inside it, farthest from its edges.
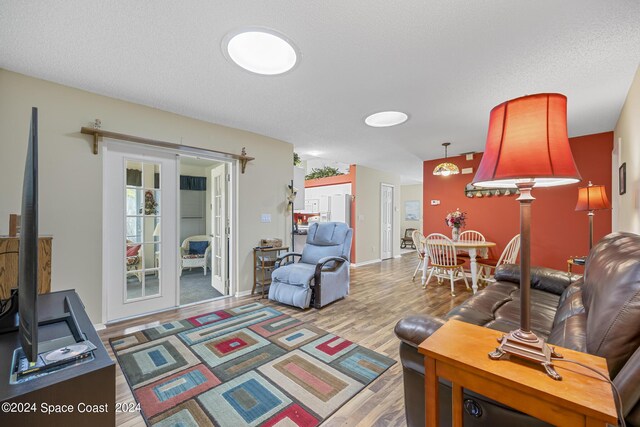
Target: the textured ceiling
(445, 63)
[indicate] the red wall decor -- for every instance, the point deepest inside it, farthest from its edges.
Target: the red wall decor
(558, 232)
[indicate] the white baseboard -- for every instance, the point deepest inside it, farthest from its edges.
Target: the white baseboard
(363, 263)
(243, 293)
(99, 326)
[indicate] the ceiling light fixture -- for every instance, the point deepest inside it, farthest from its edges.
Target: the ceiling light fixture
(446, 168)
(385, 119)
(261, 51)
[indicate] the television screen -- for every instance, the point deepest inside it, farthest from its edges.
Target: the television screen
(28, 261)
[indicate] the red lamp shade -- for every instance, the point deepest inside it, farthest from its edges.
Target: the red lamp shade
(592, 198)
(527, 140)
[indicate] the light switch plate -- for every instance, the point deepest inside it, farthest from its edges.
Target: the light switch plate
(469, 156)
(265, 217)
(467, 171)
(435, 202)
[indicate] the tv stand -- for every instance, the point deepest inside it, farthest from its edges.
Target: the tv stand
(10, 317)
(92, 383)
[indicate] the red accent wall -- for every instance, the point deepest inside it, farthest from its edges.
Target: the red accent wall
(557, 230)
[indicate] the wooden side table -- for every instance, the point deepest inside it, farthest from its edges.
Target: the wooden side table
(9, 248)
(458, 351)
(264, 259)
(574, 261)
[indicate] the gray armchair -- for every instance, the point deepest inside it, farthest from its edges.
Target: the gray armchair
(321, 275)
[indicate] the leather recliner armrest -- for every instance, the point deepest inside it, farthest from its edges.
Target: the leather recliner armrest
(542, 278)
(412, 330)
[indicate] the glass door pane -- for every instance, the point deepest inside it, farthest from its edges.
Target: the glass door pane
(142, 230)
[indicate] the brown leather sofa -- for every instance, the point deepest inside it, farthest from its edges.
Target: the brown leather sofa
(598, 314)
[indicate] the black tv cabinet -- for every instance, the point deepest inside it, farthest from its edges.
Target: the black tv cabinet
(87, 386)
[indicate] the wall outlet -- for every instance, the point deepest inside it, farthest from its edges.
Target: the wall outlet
(470, 156)
(265, 217)
(467, 171)
(435, 202)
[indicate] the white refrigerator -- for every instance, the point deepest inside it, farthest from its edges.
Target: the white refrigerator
(339, 209)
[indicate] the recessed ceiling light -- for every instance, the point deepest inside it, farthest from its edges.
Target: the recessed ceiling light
(260, 50)
(385, 119)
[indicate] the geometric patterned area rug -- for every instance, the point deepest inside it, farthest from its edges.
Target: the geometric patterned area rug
(245, 366)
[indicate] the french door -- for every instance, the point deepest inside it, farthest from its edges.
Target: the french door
(139, 230)
(219, 229)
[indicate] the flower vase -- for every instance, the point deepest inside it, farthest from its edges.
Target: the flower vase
(455, 234)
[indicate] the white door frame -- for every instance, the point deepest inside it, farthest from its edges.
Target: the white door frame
(232, 203)
(391, 211)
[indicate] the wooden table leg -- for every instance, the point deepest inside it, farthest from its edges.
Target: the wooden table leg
(474, 269)
(431, 393)
(456, 404)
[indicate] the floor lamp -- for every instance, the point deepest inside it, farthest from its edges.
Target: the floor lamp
(592, 198)
(527, 146)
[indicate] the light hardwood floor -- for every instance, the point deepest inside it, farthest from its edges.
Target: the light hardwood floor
(381, 294)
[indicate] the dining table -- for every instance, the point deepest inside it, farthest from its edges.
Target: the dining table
(472, 247)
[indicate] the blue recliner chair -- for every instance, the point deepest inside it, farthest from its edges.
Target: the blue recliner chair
(322, 274)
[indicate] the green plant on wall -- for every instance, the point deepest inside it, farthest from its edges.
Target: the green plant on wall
(296, 159)
(323, 172)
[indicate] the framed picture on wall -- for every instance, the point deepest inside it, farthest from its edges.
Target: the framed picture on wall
(622, 179)
(412, 210)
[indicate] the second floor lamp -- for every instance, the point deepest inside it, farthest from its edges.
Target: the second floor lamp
(592, 198)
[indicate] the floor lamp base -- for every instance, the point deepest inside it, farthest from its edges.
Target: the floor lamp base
(528, 346)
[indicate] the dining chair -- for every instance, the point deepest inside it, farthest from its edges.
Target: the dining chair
(509, 256)
(443, 260)
(470, 236)
(418, 244)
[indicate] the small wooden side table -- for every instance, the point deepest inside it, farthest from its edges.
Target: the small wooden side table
(458, 351)
(264, 259)
(9, 248)
(574, 261)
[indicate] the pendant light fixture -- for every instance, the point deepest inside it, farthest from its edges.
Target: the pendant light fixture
(446, 168)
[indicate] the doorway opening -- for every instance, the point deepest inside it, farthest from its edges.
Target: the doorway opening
(386, 221)
(204, 229)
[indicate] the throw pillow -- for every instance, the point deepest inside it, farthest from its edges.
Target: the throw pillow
(133, 250)
(198, 248)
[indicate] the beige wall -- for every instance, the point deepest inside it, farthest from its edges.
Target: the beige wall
(71, 176)
(410, 192)
(626, 207)
(368, 218)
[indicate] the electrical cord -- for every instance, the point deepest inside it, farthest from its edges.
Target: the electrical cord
(606, 378)
(3, 304)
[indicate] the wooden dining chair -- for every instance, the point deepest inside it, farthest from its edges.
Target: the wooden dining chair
(443, 260)
(509, 256)
(418, 244)
(470, 236)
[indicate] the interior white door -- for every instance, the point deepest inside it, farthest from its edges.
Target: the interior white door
(139, 230)
(219, 229)
(386, 240)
